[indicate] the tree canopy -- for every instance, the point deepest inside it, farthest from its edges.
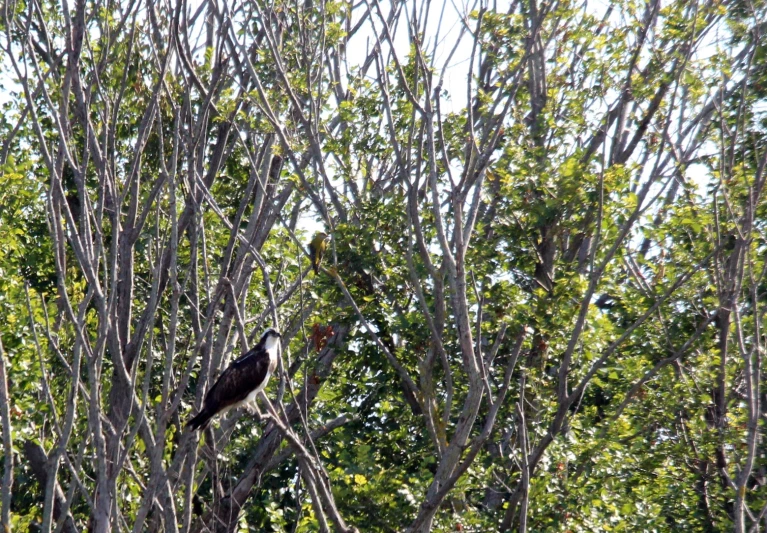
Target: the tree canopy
(540, 304)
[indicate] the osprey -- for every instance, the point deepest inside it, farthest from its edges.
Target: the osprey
(241, 382)
(317, 249)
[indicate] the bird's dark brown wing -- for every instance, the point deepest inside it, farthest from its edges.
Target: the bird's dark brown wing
(238, 380)
(315, 258)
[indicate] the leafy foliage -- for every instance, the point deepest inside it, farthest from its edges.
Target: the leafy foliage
(541, 303)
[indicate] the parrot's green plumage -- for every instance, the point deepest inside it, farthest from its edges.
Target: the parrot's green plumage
(317, 249)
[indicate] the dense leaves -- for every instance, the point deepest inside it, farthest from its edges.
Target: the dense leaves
(541, 303)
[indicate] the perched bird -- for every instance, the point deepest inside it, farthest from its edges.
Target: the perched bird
(242, 380)
(317, 249)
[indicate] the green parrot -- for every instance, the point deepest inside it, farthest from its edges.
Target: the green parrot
(317, 249)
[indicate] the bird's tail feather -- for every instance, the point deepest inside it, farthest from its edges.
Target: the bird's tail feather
(200, 421)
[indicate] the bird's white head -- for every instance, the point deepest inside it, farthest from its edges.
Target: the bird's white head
(270, 338)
